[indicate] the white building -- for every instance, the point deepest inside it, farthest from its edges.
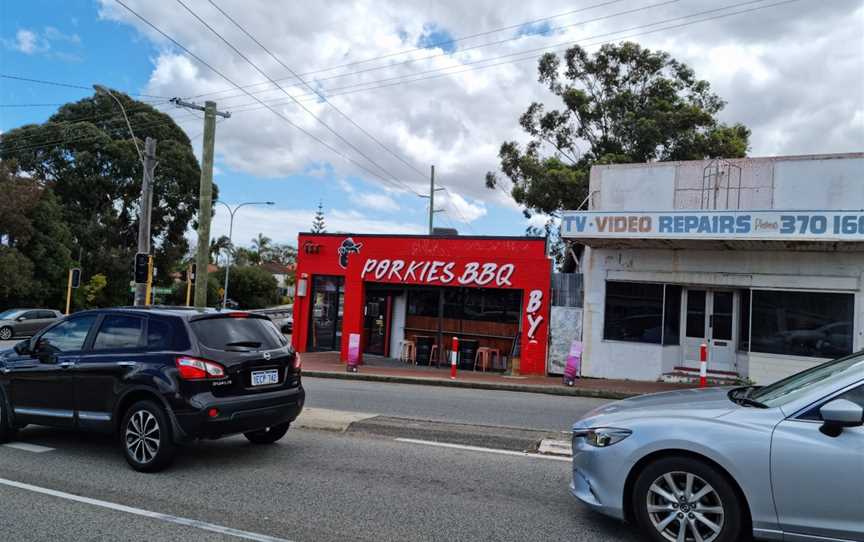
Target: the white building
(762, 259)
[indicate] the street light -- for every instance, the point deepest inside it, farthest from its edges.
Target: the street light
(104, 90)
(230, 242)
(148, 164)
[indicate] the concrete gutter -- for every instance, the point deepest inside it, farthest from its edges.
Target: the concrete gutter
(485, 436)
(505, 386)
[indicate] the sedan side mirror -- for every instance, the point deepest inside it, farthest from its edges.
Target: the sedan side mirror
(838, 414)
(20, 318)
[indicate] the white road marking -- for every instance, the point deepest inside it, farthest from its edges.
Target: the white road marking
(480, 449)
(246, 535)
(35, 448)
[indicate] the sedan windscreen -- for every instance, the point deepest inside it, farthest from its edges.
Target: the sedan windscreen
(240, 333)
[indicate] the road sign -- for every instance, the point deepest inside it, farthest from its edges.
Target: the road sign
(158, 290)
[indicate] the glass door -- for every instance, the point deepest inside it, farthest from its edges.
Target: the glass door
(710, 318)
(376, 324)
(328, 293)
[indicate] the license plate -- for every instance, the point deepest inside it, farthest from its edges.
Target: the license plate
(265, 378)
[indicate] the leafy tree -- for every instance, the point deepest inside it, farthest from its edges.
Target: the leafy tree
(92, 294)
(86, 156)
(251, 287)
(624, 104)
(283, 254)
(32, 229)
(318, 225)
(17, 277)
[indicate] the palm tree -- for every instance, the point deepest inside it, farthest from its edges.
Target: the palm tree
(262, 247)
(217, 246)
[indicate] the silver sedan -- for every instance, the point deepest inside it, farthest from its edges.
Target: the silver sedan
(785, 461)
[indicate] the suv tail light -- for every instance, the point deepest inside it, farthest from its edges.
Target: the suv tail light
(198, 369)
(297, 363)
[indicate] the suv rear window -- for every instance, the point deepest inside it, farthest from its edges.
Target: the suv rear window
(227, 332)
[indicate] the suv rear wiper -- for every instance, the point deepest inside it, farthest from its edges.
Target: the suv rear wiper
(250, 344)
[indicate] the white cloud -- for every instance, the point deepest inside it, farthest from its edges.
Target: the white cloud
(26, 41)
(31, 42)
(378, 202)
(460, 208)
(283, 225)
(346, 186)
(787, 72)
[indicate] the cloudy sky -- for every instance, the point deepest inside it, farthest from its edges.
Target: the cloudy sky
(399, 85)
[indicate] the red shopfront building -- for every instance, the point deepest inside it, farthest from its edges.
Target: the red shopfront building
(490, 292)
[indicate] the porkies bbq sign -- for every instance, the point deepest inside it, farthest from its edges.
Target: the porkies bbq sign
(439, 272)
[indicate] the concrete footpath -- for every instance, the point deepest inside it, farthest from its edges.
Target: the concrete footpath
(327, 365)
(514, 439)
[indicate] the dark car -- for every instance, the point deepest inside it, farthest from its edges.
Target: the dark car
(157, 377)
(25, 322)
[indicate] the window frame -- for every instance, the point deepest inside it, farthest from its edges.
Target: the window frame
(91, 347)
(88, 339)
(662, 313)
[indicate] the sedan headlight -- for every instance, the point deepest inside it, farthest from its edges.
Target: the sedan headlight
(601, 437)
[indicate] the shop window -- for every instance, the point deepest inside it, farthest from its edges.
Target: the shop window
(486, 305)
(672, 315)
(634, 312)
(423, 303)
(812, 324)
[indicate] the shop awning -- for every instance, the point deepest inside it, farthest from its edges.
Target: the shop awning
(714, 244)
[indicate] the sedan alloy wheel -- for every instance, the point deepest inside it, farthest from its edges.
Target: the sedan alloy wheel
(683, 507)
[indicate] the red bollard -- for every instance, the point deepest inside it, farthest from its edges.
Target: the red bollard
(454, 353)
(703, 365)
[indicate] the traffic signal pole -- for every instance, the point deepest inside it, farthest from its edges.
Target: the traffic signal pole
(69, 292)
(142, 289)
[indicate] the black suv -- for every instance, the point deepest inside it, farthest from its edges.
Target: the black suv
(156, 377)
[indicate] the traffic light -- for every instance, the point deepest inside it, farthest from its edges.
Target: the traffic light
(76, 277)
(142, 262)
(194, 273)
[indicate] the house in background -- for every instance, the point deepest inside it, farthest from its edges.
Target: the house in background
(284, 275)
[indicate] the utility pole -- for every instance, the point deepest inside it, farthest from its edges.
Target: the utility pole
(431, 196)
(145, 213)
(205, 202)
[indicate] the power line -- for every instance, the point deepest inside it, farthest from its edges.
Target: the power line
(230, 81)
(313, 115)
(430, 45)
(520, 56)
(68, 85)
(321, 96)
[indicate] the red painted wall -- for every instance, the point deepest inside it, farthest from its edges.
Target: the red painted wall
(488, 262)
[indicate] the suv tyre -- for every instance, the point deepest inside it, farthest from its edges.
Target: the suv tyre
(145, 435)
(7, 432)
(6, 333)
(268, 435)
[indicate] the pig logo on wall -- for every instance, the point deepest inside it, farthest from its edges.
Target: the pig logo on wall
(347, 247)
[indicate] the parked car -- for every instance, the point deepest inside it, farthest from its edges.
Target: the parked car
(784, 461)
(25, 322)
(156, 377)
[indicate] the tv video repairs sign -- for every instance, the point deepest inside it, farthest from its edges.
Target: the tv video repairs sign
(756, 225)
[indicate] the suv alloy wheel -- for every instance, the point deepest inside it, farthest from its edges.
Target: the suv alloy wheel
(146, 437)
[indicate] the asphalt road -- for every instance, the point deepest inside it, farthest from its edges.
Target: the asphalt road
(484, 407)
(311, 486)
